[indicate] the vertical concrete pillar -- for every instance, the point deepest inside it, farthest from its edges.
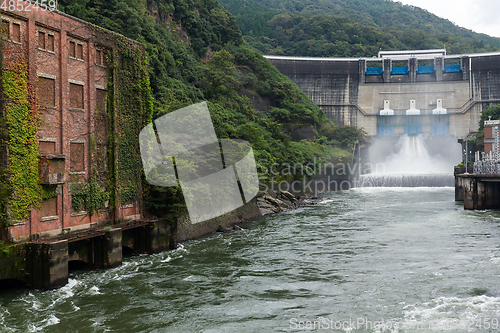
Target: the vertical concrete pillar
(465, 67)
(412, 69)
(112, 248)
(387, 70)
(491, 195)
(459, 189)
(136, 239)
(362, 69)
(479, 194)
(470, 193)
(13, 263)
(161, 235)
(438, 66)
(99, 252)
(47, 265)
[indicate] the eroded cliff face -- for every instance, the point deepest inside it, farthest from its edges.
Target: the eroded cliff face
(167, 20)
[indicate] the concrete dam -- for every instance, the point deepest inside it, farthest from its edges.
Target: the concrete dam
(400, 92)
(413, 106)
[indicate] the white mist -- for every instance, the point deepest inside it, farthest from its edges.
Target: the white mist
(414, 160)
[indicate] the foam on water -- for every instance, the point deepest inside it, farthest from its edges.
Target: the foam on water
(454, 314)
(50, 321)
(411, 166)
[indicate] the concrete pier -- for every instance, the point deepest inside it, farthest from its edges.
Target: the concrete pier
(478, 191)
(44, 264)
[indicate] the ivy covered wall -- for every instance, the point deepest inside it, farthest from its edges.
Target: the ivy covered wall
(20, 189)
(102, 179)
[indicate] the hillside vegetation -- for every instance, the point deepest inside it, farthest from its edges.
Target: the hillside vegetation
(196, 52)
(349, 28)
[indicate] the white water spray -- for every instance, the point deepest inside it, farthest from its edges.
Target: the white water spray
(412, 161)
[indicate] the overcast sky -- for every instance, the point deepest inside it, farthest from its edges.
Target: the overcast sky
(477, 15)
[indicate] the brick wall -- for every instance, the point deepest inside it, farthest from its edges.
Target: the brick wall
(70, 70)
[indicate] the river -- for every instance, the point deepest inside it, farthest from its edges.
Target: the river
(363, 260)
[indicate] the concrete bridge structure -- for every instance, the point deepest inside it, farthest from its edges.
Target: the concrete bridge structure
(400, 92)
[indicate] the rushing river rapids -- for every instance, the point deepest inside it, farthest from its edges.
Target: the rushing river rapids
(408, 257)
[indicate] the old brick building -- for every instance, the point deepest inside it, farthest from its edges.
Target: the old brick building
(79, 133)
(491, 136)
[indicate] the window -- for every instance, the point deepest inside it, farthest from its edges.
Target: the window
(47, 91)
(100, 101)
(46, 41)
(50, 43)
(16, 32)
(79, 51)
(5, 29)
(101, 122)
(105, 58)
(49, 207)
(77, 157)
(76, 96)
(72, 49)
(47, 146)
(41, 40)
(76, 50)
(98, 57)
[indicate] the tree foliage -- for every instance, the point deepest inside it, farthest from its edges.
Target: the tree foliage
(337, 28)
(196, 52)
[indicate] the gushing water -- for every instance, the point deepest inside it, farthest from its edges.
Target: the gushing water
(414, 161)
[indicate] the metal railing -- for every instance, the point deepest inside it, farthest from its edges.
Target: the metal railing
(488, 164)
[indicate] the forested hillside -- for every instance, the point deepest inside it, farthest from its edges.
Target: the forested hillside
(196, 52)
(349, 28)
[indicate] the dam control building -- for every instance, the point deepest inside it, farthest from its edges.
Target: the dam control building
(400, 92)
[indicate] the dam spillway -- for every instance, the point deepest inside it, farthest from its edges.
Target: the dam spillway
(412, 161)
(353, 91)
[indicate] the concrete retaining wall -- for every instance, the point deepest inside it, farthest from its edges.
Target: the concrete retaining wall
(187, 230)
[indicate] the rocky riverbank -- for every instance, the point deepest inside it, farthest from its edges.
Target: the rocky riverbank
(273, 202)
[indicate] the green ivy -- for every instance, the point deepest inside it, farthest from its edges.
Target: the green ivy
(20, 182)
(89, 196)
(134, 109)
(48, 192)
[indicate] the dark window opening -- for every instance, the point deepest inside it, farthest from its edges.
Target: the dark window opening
(79, 51)
(49, 207)
(5, 29)
(47, 146)
(41, 40)
(47, 91)
(101, 101)
(50, 43)
(72, 49)
(77, 157)
(76, 96)
(16, 32)
(98, 57)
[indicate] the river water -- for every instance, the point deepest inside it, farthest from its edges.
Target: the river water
(363, 260)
